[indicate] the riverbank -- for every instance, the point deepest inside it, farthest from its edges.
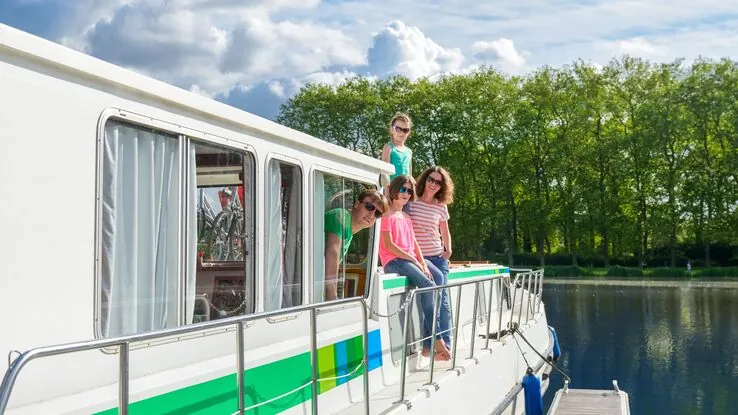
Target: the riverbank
(571, 271)
(644, 282)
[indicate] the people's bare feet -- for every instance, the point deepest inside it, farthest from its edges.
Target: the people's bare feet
(442, 352)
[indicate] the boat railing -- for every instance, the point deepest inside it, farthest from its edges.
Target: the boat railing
(123, 344)
(526, 287)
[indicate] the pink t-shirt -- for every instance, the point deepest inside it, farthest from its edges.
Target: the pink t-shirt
(401, 230)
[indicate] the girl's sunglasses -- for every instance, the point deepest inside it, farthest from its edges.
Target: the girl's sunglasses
(407, 190)
(371, 208)
(400, 129)
(431, 180)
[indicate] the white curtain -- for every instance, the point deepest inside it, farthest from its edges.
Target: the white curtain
(191, 212)
(142, 207)
(292, 251)
(273, 297)
(319, 239)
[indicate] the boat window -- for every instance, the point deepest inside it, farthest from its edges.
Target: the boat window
(140, 238)
(341, 257)
(284, 274)
(223, 186)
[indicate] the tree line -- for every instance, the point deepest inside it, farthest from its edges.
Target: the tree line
(624, 164)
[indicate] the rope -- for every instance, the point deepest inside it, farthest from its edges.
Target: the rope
(514, 330)
(402, 307)
(522, 353)
(342, 376)
(276, 398)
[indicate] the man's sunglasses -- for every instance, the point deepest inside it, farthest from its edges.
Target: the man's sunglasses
(401, 130)
(431, 180)
(407, 190)
(371, 208)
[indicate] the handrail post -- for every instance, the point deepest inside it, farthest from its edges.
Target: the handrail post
(474, 319)
(528, 304)
(365, 328)
(241, 365)
(522, 292)
(534, 307)
(123, 378)
(499, 309)
(514, 298)
(434, 331)
(489, 313)
(540, 291)
(455, 340)
(403, 362)
(314, 359)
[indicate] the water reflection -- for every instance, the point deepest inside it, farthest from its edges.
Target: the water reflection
(672, 348)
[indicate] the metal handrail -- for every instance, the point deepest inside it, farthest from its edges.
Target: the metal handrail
(123, 342)
(537, 275)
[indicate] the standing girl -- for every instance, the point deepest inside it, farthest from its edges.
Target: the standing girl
(395, 152)
(430, 217)
(400, 254)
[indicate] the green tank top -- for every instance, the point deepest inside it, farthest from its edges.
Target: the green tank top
(400, 159)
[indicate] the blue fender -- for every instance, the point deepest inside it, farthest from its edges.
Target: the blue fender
(556, 348)
(532, 394)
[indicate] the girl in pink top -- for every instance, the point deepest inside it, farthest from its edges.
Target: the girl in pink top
(400, 254)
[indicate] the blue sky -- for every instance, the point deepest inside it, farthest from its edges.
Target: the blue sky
(255, 54)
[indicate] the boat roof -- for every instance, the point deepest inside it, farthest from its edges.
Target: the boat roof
(64, 58)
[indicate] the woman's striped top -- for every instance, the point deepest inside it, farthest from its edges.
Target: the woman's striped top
(426, 220)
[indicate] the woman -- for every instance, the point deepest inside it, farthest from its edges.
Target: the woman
(400, 254)
(430, 217)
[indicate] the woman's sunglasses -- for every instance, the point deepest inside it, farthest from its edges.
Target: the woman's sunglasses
(431, 180)
(371, 208)
(401, 130)
(407, 190)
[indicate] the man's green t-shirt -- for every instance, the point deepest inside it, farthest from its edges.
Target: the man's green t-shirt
(338, 222)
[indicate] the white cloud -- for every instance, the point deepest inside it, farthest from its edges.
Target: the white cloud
(406, 50)
(266, 50)
(501, 52)
(260, 48)
(212, 46)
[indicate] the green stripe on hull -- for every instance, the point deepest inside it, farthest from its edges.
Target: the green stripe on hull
(220, 396)
(399, 282)
(326, 368)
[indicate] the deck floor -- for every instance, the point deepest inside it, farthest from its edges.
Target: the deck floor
(590, 402)
(386, 400)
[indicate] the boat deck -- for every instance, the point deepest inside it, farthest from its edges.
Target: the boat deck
(417, 389)
(590, 402)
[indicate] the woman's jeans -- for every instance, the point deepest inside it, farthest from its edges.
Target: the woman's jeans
(445, 311)
(420, 280)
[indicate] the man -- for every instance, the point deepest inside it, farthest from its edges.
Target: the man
(225, 196)
(340, 226)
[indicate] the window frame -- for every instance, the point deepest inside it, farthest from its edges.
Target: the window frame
(185, 136)
(320, 168)
(252, 231)
(282, 158)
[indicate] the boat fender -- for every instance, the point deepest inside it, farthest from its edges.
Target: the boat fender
(556, 348)
(532, 394)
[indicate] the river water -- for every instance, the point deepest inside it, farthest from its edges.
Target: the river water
(672, 346)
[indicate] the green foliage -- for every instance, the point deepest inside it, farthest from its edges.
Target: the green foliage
(722, 272)
(568, 271)
(668, 273)
(618, 271)
(632, 162)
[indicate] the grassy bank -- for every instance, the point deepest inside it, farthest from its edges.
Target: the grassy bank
(618, 272)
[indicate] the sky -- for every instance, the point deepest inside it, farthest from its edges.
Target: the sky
(256, 54)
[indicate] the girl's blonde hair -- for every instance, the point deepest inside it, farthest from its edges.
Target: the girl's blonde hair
(446, 193)
(402, 117)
